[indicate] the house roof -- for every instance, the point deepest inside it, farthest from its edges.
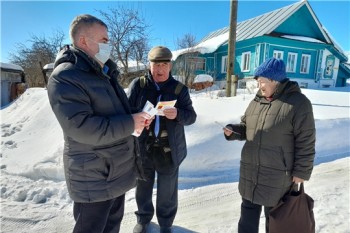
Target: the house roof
(262, 25)
(266, 23)
(10, 67)
(346, 67)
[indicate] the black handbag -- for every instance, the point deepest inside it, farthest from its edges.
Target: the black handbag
(293, 214)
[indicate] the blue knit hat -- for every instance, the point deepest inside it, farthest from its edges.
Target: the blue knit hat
(272, 68)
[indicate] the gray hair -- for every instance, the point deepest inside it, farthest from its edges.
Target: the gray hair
(82, 22)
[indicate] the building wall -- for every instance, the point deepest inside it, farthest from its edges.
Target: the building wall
(262, 48)
(8, 86)
(5, 93)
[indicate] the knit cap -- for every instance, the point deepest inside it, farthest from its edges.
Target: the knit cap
(160, 54)
(272, 68)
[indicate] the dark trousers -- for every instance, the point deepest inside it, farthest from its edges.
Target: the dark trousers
(250, 216)
(99, 217)
(167, 187)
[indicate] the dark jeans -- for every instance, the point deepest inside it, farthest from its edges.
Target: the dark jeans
(167, 184)
(250, 217)
(99, 217)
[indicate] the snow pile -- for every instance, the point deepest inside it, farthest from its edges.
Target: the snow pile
(203, 78)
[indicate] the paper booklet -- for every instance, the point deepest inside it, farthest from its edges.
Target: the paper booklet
(164, 105)
(149, 108)
(158, 110)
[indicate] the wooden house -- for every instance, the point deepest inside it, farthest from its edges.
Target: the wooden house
(12, 82)
(292, 33)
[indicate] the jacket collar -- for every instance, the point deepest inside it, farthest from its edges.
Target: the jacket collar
(84, 62)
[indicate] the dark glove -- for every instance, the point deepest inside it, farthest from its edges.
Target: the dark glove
(237, 134)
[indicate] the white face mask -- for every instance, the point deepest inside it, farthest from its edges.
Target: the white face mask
(104, 52)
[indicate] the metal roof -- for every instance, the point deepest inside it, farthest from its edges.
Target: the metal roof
(265, 24)
(9, 67)
(258, 26)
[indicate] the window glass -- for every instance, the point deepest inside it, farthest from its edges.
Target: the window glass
(291, 62)
(245, 61)
(305, 64)
(224, 64)
(196, 63)
(278, 54)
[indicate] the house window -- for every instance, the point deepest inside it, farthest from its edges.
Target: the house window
(224, 64)
(292, 62)
(305, 63)
(257, 55)
(328, 72)
(200, 64)
(245, 61)
(197, 63)
(278, 54)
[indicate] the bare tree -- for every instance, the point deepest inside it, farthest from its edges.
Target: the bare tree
(140, 52)
(186, 63)
(128, 35)
(187, 41)
(141, 49)
(41, 51)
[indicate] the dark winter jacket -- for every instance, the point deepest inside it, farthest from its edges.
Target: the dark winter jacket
(94, 113)
(280, 143)
(186, 115)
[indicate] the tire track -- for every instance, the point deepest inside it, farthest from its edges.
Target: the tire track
(8, 224)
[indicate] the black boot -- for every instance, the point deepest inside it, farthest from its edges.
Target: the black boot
(165, 230)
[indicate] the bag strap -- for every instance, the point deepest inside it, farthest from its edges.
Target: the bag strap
(178, 88)
(142, 81)
(301, 188)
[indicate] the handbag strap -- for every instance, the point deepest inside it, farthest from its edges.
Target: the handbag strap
(301, 188)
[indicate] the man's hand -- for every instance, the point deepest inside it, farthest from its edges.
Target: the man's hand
(170, 113)
(140, 121)
(148, 122)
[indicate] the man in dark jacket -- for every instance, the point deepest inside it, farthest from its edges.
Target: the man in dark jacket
(279, 130)
(163, 145)
(100, 153)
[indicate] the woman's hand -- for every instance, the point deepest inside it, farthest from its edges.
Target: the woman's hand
(297, 180)
(227, 132)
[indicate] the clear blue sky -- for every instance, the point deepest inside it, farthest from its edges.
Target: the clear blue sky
(169, 20)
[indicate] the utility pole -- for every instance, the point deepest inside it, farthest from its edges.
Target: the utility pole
(231, 51)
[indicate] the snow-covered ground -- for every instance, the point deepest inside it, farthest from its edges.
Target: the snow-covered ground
(34, 197)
